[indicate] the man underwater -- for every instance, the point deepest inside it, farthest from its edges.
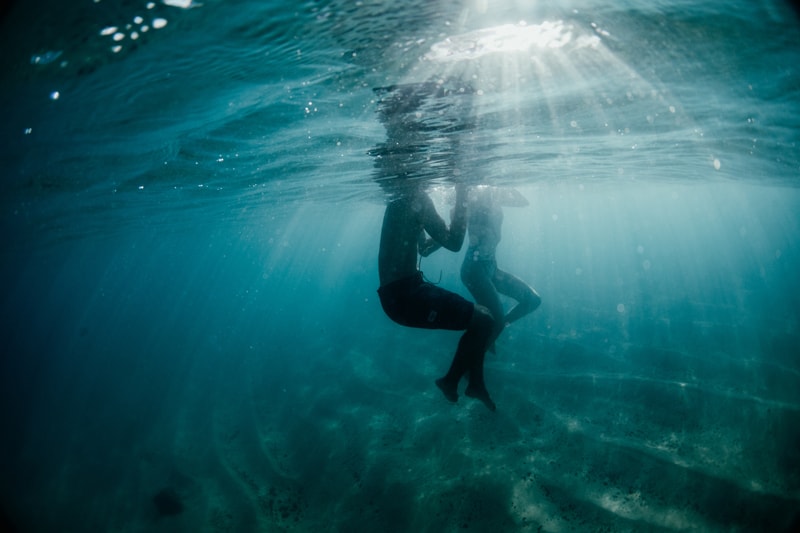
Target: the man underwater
(411, 301)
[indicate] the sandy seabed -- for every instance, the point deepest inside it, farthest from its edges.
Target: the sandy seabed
(588, 436)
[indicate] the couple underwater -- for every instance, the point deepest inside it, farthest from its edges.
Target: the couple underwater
(411, 228)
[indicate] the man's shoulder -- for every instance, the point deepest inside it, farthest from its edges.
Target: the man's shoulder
(423, 204)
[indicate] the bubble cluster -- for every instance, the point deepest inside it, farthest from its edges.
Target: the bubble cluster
(132, 30)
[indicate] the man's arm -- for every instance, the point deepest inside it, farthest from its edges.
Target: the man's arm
(426, 246)
(453, 237)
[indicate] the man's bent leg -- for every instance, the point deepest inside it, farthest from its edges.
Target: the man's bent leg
(482, 327)
(471, 348)
(460, 365)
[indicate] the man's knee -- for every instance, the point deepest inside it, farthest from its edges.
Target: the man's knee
(482, 319)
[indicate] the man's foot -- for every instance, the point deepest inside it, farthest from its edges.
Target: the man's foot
(449, 390)
(480, 393)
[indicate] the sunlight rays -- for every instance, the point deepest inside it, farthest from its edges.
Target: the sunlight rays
(555, 83)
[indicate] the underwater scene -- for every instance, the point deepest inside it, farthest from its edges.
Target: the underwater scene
(195, 196)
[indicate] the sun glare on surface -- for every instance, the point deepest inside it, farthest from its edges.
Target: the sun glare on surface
(508, 38)
(555, 78)
(508, 56)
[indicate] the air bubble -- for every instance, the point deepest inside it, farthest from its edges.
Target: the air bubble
(45, 58)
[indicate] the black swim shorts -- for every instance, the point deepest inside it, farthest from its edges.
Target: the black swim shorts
(415, 303)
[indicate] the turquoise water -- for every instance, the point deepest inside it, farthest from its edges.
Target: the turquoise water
(190, 221)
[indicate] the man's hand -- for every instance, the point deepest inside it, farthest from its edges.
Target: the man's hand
(428, 247)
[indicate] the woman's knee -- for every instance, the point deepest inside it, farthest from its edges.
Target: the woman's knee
(530, 301)
(533, 300)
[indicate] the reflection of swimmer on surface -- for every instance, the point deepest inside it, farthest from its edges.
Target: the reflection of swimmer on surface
(411, 301)
(479, 271)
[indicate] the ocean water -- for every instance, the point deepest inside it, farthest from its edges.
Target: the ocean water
(191, 207)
